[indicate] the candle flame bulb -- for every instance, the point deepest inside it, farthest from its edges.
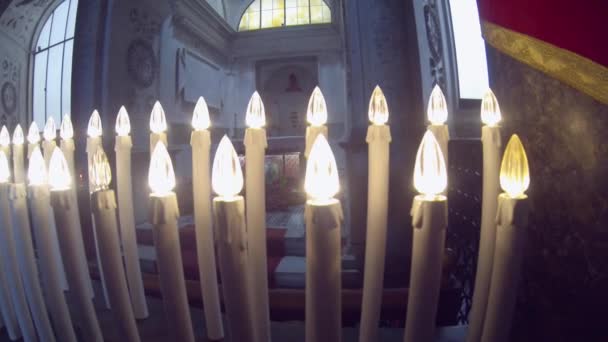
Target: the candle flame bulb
(99, 172)
(18, 138)
(33, 133)
(317, 108)
(430, 175)
(158, 122)
(437, 109)
(161, 176)
(5, 137)
(321, 181)
(226, 176)
(94, 130)
(50, 131)
(514, 171)
(378, 109)
(66, 131)
(36, 171)
(490, 110)
(5, 172)
(123, 124)
(59, 172)
(200, 116)
(256, 116)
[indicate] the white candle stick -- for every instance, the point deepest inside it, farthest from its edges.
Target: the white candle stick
(164, 214)
(491, 142)
(33, 138)
(66, 132)
(26, 260)
(5, 142)
(49, 134)
(104, 209)
(158, 126)
(511, 221)
(18, 161)
(437, 112)
(316, 116)
(60, 182)
(429, 221)
(229, 213)
(51, 274)
(378, 139)
(201, 190)
(255, 201)
(8, 255)
(94, 133)
(126, 216)
(323, 245)
(6, 301)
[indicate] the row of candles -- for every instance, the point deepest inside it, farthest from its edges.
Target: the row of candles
(240, 230)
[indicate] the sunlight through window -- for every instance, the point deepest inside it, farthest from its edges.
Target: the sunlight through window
(263, 14)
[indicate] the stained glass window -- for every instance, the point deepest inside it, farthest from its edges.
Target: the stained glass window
(263, 14)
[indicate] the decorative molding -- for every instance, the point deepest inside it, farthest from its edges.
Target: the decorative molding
(434, 39)
(141, 63)
(575, 70)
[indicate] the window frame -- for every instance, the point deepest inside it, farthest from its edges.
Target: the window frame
(284, 24)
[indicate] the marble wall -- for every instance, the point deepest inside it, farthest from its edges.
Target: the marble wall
(563, 296)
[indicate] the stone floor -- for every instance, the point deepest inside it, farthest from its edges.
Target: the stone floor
(154, 328)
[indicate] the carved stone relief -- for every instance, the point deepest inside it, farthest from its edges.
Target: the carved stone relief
(21, 17)
(434, 40)
(141, 63)
(9, 83)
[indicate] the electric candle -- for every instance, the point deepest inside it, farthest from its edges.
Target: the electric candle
(51, 273)
(26, 259)
(8, 255)
(66, 132)
(18, 140)
(255, 202)
(5, 141)
(511, 221)
(158, 126)
(60, 182)
(378, 139)
(104, 209)
(323, 245)
(6, 301)
(200, 140)
(49, 134)
(164, 214)
(229, 213)
(491, 142)
(33, 138)
(429, 221)
(437, 112)
(126, 216)
(316, 115)
(94, 133)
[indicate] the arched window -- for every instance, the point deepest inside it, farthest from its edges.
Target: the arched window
(263, 14)
(52, 87)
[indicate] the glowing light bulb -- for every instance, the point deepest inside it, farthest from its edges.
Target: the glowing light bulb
(490, 110)
(18, 138)
(36, 171)
(378, 109)
(158, 122)
(33, 134)
(5, 137)
(123, 124)
(256, 116)
(59, 172)
(514, 171)
(227, 176)
(94, 130)
(430, 175)
(200, 116)
(437, 109)
(321, 181)
(99, 171)
(161, 177)
(5, 172)
(66, 130)
(50, 131)
(317, 109)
